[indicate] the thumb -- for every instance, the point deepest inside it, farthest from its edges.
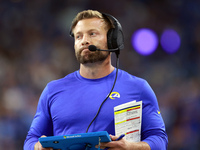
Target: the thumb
(113, 137)
(43, 136)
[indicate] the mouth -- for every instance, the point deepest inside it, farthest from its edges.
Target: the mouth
(85, 49)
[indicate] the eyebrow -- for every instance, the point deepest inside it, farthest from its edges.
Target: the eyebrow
(91, 30)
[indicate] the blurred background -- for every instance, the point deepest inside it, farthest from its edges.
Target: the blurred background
(162, 45)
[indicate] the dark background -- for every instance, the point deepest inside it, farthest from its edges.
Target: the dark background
(35, 48)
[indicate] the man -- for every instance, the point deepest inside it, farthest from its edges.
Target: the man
(68, 105)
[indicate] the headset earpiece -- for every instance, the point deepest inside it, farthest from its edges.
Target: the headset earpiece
(109, 39)
(115, 38)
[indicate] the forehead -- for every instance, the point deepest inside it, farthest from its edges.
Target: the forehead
(91, 23)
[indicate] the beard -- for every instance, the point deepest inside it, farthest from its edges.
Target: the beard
(91, 57)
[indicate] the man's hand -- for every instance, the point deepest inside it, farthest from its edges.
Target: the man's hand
(123, 144)
(38, 146)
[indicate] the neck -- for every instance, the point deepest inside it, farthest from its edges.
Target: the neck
(96, 70)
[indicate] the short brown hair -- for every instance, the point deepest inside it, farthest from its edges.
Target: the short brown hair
(86, 14)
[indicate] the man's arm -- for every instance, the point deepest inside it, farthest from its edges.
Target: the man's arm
(153, 128)
(41, 125)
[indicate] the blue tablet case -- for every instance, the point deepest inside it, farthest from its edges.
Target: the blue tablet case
(82, 141)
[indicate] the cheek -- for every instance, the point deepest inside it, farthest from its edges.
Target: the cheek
(75, 45)
(105, 41)
(75, 49)
(105, 44)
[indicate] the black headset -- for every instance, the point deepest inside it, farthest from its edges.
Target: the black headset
(115, 37)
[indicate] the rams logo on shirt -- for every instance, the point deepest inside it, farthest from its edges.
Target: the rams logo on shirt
(114, 95)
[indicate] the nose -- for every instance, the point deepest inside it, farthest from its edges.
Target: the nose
(85, 40)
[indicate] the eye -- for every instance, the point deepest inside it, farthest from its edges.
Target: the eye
(92, 33)
(78, 36)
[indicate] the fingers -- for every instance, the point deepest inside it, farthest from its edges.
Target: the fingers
(45, 148)
(101, 147)
(38, 146)
(113, 143)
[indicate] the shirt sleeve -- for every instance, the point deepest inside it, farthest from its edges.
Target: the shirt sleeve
(42, 124)
(153, 127)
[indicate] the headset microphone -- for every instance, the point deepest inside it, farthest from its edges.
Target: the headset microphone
(94, 48)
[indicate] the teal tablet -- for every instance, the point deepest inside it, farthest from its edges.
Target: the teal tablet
(82, 141)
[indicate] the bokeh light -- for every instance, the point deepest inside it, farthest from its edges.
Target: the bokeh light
(144, 41)
(170, 41)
